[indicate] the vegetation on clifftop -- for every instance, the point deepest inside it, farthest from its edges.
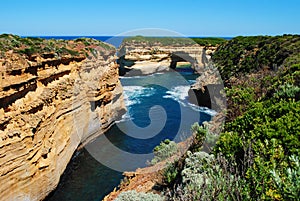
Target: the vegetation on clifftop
(163, 151)
(30, 46)
(209, 41)
(257, 154)
(249, 54)
(174, 41)
(152, 41)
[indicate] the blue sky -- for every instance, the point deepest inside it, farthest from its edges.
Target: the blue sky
(188, 17)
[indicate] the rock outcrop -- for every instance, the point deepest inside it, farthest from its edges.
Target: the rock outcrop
(49, 105)
(208, 91)
(140, 58)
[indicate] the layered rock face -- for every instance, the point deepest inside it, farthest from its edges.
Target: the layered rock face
(147, 55)
(143, 58)
(49, 106)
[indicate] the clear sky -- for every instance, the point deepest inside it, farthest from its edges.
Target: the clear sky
(188, 17)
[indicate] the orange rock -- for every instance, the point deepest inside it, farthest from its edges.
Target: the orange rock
(45, 114)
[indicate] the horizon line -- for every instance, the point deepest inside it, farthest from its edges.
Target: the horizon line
(187, 36)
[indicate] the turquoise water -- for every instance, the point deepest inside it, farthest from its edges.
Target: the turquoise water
(158, 109)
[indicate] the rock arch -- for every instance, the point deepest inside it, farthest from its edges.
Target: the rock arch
(137, 59)
(196, 57)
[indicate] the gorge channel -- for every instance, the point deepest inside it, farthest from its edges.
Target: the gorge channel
(89, 179)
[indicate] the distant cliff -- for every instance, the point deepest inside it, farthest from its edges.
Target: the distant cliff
(54, 96)
(146, 55)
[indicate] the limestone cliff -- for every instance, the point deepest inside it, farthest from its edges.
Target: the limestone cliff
(208, 90)
(50, 103)
(153, 55)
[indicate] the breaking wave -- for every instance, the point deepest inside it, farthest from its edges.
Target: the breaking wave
(180, 94)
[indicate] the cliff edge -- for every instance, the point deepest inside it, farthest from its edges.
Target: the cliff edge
(55, 95)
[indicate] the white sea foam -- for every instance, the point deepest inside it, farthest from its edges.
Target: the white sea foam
(202, 109)
(140, 76)
(125, 117)
(191, 82)
(132, 94)
(180, 94)
(130, 77)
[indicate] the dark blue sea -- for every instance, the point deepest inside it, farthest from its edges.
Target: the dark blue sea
(158, 109)
(114, 40)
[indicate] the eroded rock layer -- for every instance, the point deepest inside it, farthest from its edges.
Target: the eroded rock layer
(49, 105)
(139, 57)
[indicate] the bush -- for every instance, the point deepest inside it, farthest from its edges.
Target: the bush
(163, 151)
(287, 91)
(206, 177)
(242, 55)
(170, 174)
(288, 182)
(32, 45)
(200, 132)
(135, 196)
(203, 139)
(209, 41)
(269, 128)
(29, 51)
(194, 173)
(152, 41)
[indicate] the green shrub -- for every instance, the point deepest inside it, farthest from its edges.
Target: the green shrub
(32, 45)
(288, 181)
(152, 41)
(29, 51)
(170, 174)
(63, 51)
(194, 173)
(205, 177)
(200, 132)
(269, 129)
(135, 196)
(202, 137)
(242, 55)
(287, 91)
(209, 41)
(239, 99)
(163, 151)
